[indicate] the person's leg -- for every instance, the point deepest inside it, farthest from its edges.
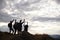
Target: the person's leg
(19, 31)
(15, 31)
(12, 30)
(9, 30)
(27, 29)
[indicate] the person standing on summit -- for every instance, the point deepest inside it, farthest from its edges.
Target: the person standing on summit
(20, 25)
(15, 26)
(26, 27)
(10, 26)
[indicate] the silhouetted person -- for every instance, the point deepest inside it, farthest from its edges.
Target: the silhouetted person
(26, 27)
(20, 25)
(10, 26)
(15, 26)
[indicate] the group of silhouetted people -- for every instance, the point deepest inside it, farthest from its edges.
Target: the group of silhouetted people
(17, 26)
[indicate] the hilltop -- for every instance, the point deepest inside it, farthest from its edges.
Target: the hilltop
(24, 36)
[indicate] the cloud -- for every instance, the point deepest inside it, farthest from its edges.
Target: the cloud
(19, 14)
(27, 5)
(2, 4)
(4, 17)
(44, 19)
(57, 1)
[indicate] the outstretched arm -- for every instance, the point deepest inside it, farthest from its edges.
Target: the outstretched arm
(23, 21)
(12, 20)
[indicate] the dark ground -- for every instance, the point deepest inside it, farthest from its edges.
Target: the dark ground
(24, 36)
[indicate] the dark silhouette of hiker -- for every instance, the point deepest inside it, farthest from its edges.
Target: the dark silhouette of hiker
(26, 27)
(20, 25)
(10, 26)
(15, 26)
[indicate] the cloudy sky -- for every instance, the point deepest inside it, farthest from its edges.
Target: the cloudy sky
(43, 15)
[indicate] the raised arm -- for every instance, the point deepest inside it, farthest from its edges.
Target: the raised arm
(23, 21)
(12, 20)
